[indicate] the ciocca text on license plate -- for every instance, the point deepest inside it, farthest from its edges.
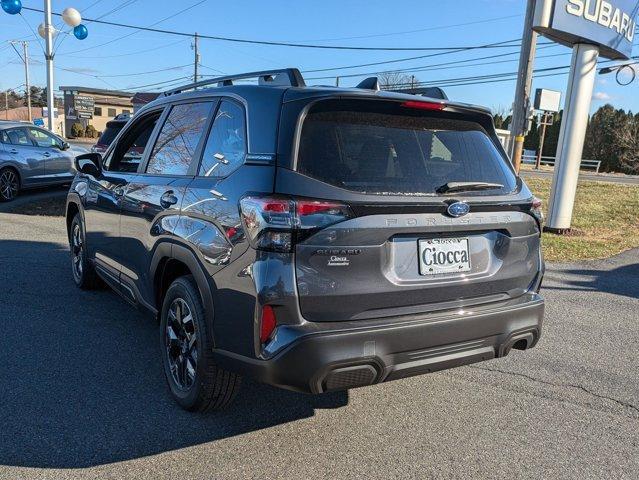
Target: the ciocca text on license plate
(443, 255)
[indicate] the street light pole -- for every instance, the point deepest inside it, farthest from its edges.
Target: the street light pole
(48, 55)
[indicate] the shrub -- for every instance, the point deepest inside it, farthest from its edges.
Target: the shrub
(91, 132)
(77, 130)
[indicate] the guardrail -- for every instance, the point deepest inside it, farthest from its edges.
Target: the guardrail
(532, 160)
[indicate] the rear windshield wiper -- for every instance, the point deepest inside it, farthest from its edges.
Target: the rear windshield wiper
(451, 187)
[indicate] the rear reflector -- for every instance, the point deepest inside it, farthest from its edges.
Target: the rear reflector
(432, 106)
(267, 323)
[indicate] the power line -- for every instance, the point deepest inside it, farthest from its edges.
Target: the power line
(124, 4)
(281, 44)
(141, 28)
(493, 78)
(417, 69)
(406, 32)
(159, 83)
(177, 67)
(147, 50)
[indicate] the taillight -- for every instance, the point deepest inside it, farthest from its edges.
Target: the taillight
(277, 223)
(267, 323)
(537, 212)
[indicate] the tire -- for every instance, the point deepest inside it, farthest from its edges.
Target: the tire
(9, 184)
(196, 382)
(84, 274)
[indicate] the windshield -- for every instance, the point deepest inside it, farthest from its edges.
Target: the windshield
(394, 151)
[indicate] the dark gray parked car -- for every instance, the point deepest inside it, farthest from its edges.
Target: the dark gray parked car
(314, 238)
(32, 157)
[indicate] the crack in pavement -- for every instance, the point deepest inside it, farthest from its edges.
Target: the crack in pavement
(561, 385)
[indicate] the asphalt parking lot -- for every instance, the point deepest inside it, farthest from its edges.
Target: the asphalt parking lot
(83, 396)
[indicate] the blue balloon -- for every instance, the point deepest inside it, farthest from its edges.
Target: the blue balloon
(81, 32)
(12, 7)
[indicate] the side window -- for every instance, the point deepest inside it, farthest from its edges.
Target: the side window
(111, 112)
(127, 154)
(179, 138)
(43, 139)
(226, 146)
(16, 136)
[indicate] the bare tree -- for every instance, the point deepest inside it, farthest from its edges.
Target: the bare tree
(397, 81)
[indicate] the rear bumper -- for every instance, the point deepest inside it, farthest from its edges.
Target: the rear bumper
(316, 358)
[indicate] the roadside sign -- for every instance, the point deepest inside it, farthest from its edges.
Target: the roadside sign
(547, 100)
(39, 122)
(608, 24)
(82, 103)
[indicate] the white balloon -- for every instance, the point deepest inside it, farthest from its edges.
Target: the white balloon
(42, 31)
(71, 17)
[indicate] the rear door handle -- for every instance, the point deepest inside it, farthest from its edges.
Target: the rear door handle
(13, 150)
(168, 199)
(46, 154)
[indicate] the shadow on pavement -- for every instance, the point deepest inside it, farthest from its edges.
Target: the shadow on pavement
(622, 280)
(50, 202)
(82, 381)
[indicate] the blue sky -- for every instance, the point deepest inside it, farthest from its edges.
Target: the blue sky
(122, 62)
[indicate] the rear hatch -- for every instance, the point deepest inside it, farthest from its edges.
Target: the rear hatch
(431, 214)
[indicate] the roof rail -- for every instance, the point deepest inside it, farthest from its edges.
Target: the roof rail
(285, 76)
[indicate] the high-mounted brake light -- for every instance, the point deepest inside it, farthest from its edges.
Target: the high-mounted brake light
(277, 223)
(431, 106)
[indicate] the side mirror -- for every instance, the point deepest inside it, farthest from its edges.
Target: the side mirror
(65, 146)
(89, 164)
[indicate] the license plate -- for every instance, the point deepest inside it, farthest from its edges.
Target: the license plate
(443, 255)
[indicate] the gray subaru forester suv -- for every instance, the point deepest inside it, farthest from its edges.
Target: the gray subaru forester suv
(313, 238)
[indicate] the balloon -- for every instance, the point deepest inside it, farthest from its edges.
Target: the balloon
(71, 17)
(12, 6)
(43, 33)
(81, 32)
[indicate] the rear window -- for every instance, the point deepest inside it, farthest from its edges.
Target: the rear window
(387, 149)
(109, 133)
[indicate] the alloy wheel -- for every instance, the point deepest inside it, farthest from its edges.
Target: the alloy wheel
(77, 251)
(9, 184)
(181, 344)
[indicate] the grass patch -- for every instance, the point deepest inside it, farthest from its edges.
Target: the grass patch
(605, 221)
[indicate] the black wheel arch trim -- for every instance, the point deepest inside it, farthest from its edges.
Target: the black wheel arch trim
(171, 251)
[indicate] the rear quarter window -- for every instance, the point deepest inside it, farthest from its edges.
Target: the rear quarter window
(385, 149)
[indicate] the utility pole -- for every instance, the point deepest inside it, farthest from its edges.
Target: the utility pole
(25, 59)
(25, 49)
(196, 60)
(6, 104)
(337, 81)
(48, 55)
(521, 106)
(546, 120)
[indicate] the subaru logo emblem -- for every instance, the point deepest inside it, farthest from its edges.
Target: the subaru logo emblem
(458, 209)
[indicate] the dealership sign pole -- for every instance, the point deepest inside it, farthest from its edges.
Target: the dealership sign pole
(593, 28)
